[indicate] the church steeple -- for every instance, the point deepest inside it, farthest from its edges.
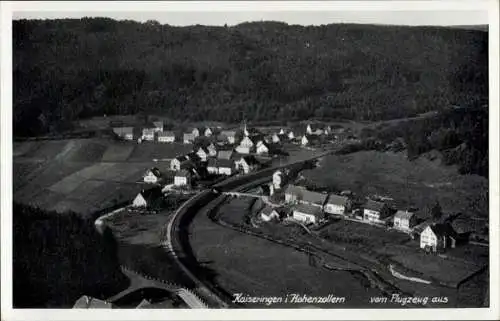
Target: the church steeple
(245, 130)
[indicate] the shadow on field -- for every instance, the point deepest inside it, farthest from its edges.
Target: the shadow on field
(59, 257)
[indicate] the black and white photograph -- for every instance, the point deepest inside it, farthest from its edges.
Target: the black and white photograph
(264, 156)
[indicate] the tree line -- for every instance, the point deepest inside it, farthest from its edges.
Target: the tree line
(70, 69)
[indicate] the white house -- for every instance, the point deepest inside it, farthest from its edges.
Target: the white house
(305, 140)
(337, 204)
(404, 220)
(262, 148)
(269, 213)
(291, 135)
(225, 154)
(375, 212)
(151, 198)
(438, 236)
(195, 132)
(148, 133)
(246, 145)
(166, 137)
(225, 167)
(307, 213)
(202, 154)
(278, 179)
(176, 163)
(246, 164)
(189, 138)
(275, 138)
(313, 198)
(182, 178)
(208, 132)
(282, 131)
(212, 166)
(152, 176)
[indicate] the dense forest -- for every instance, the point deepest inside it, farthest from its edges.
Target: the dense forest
(57, 257)
(74, 68)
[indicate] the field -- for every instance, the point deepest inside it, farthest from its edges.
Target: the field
(419, 183)
(83, 175)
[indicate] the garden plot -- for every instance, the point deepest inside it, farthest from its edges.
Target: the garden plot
(118, 152)
(87, 150)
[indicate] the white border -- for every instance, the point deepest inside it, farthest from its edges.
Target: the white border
(272, 314)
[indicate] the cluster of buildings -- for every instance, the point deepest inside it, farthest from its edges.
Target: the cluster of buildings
(311, 207)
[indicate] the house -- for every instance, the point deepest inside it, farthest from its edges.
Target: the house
(313, 198)
(208, 132)
(166, 137)
(225, 154)
(158, 125)
(275, 138)
(126, 133)
(438, 236)
(291, 135)
(313, 130)
(247, 164)
(282, 131)
(188, 138)
(152, 176)
(148, 132)
(246, 146)
(229, 135)
(212, 166)
(404, 220)
(337, 204)
(269, 213)
(293, 193)
(87, 302)
(307, 140)
(182, 178)
(202, 154)
(307, 213)
(278, 179)
(150, 198)
(262, 148)
(212, 150)
(176, 163)
(375, 212)
(193, 157)
(196, 132)
(225, 166)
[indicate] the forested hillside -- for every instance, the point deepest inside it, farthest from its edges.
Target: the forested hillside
(70, 69)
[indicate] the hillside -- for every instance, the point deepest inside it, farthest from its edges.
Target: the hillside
(75, 68)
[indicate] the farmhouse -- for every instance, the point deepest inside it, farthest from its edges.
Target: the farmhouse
(225, 154)
(202, 154)
(150, 198)
(247, 164)
(152, 176)
(126, 133)
(307, 213)
(188, 138)
(87, 302)
(438, 236)
(166, 137)
(404, 220)
(229, 135)
(337, 204)
(375, 212)
(225, 166)
(293, 193)
(182, 178)
(269, 213)
(313, 198)
(262, 148)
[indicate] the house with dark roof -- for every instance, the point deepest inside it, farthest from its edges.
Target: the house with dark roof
(126, 133)
(313, 198)
(313, 129)
(228, 135)
(166, 137)
(262, 147)
(306, 213)
(152, 176)
(438, 237)
(212, 167)
(404, 220)
(182, 178)
(176, 163)
(269, 213)
(202, 153)
(336, 204)
(225, 154)
(148, 131)
(293, 193)
(225, 166)
(376, 212)
(247, 164)
(149, 198)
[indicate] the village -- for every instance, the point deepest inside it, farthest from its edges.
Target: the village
(220, 153)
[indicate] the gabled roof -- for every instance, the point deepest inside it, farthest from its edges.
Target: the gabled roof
(404, 215)
(152, 196)
(337, 200)
(226, 163)
(249, 159)
(149, 125)
(442, 229)
(156, 172)
(314, 197)
(158, 123)
(374, 205)
(225, 154)
(294, 189)
(212, 162)
(204, 149)
(308, 209)
(182, 158)
(166, 134)
(267, 210)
